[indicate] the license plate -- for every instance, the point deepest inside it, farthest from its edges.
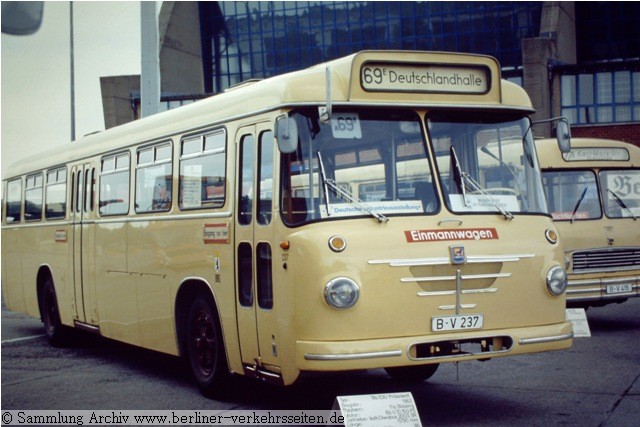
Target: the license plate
(456, 323)
(619, 289)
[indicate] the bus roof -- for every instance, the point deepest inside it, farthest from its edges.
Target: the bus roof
(308, 87)
(587, 152)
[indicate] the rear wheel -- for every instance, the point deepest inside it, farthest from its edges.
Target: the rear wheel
(412, 374)
(53, 328)
(205, 348)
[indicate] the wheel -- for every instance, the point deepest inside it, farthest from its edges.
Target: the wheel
(205, 349)
(53, 328)
(412, 374)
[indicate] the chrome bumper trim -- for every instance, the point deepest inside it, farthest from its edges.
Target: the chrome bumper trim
(540, 340)
(353, 356)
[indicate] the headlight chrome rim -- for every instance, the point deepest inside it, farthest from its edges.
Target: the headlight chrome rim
(341, 293)
(556, 280)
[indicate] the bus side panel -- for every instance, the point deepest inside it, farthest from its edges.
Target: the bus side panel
(40, 249)
(150, 250)
(115, 284)
(195, 259)
(12, 269)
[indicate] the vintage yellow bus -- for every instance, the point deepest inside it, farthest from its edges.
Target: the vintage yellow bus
(222, 231)
(593, 193)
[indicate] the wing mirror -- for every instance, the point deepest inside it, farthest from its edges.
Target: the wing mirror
(563, 132)
(563, 135)
(287, 134)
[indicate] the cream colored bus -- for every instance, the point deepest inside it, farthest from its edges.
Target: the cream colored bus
(593, 193)
(219, 231)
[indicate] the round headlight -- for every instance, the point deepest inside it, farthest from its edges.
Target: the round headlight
(341, 293)
(556, 280)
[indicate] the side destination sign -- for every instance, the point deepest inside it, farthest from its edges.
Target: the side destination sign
(417, 236)
(392, 77)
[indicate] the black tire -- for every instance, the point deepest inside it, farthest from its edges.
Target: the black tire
(205, 349)
(55, 331)
(412, 374)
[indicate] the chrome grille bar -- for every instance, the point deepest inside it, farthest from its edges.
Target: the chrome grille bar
(449, 278)
(606, 259)
(471, 259)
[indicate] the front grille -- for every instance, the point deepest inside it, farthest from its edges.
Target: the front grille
(438, 277)
(606, 259)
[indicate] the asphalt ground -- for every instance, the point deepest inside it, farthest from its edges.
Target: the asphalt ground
(595, 383)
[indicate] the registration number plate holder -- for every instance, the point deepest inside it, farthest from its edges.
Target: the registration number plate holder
(457, 322)
(619, 289)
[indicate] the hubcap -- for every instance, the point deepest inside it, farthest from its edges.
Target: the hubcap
(204, 342)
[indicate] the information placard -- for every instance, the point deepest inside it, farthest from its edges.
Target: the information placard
(578, 318)
(371, 410)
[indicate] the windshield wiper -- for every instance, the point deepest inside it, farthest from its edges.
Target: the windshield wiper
(475, 186)
(516, 181)
(622, 204)
(327, 182)
(323, 176)
(575, 208)
(457, 175)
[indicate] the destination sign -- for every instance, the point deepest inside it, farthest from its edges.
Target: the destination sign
(596, 154)
(390, 77)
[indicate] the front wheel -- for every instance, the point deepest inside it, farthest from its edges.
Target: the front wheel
(205, 349)
(412, 374)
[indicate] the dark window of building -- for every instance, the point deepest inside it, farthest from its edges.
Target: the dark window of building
(250, 39)
(607, 30)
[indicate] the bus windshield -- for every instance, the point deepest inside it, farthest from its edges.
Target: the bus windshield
(486, 163)
(572, 195)
(360, 163)
(621, 192)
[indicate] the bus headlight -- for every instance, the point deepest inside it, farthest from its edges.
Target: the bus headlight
(341, 293)
(556, 280)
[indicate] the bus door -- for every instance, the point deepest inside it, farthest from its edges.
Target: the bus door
(83, 189)
(254, 237)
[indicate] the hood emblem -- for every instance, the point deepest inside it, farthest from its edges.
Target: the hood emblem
(458, 255)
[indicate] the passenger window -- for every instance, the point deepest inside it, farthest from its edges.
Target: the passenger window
(114, 185)
(56, 194)
(265, 179)
(203, 171)
(14, 201)
(245, 198)
(245, 273)
(154, 179)
(33, 198)
(265, 282)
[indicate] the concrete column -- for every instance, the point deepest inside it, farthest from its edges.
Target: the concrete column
(556, 44)
(116, 99)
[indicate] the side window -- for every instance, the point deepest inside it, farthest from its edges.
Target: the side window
(89, 189)
(245, 273)
(245, 198)
(114, 185)
(56, 194)
(203, 169)
(33, 198)
(264, 276)
(265, 179)
(154, 178)
(14, 201)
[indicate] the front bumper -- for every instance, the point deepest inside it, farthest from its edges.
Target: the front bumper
(601, 289)
(433, 348)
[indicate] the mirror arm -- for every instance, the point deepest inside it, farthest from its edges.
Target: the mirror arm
(325, 113)
(564, 139)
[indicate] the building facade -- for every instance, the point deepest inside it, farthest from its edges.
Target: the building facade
(577, 59)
